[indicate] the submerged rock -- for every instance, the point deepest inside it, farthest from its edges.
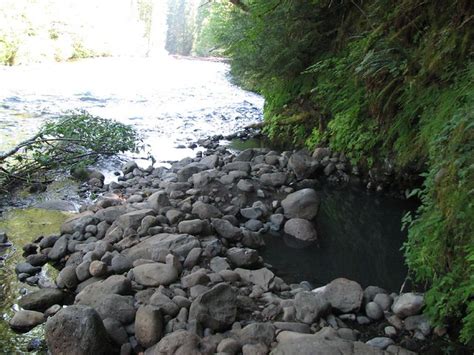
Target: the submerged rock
(301, 229)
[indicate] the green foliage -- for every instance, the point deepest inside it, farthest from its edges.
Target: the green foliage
(376, 79)
(75, 140)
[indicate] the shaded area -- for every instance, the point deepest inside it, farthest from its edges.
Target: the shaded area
(360, 238)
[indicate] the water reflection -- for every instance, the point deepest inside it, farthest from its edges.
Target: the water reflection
(359, 237)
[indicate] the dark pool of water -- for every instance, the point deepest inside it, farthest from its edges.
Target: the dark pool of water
(359, 238)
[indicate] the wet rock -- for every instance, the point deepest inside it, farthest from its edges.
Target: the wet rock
(242, 257)
(310, 306)
(37, 259)
(215, 309)
(408, 304)
(301, 229)
(301, 204)
(225, 229)
(148, 326)
(76, 330)
(344, 295)
(155, 274)
(23, 321)
(41, 300)
(26, 268)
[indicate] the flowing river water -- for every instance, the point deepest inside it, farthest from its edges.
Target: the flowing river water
(172, 103)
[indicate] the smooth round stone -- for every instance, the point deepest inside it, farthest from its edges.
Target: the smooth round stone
(373, 311)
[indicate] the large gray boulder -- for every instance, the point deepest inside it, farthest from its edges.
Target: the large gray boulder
(115, 284)
(111, 213)
(158, 200)
(76, 330)
(215, 309)
(242, 257)
(301, 229)
(116, 307)
(408, 304)
(155, 274)
(179, 244)
(226, 229)
(344, 295)
(41, 300)
(301, 204)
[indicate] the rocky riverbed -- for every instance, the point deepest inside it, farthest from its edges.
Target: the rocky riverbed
(167, 262)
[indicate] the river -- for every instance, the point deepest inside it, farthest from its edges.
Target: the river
(174, 102)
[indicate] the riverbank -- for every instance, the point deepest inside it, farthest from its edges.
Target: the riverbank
(167, 260)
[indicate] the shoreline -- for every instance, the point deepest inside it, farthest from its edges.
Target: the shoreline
(204, 218)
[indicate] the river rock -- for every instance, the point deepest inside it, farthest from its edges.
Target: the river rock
(251, 212)
(408, 304)
(301, 204)
(245, 185)
(301, 229)
(237, 165)
(373, 311)
(155, 274)
(111, 213)
(115, 306)
(274, 179)
(380, 342)
(132, 219)
(26, 268)
(257, 333)
(344, 295)
(116, 331)
(242, 257)
(261, 277)
(205, 211)
(419, 322)
(115, 284)
(23, 321)
(158, 200)
(129, 166)
(67, 278)
(210, 161)
(215, 309)
(189, 170)
(78, 223)
(181, 342)
(383, 300)
(41, 300)
(76, 330)
(225, 229)
(310, 306)
(148, 326)
(179, 244)
(229, 346)
(196, 278)
(194, 226)
(163, 302)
